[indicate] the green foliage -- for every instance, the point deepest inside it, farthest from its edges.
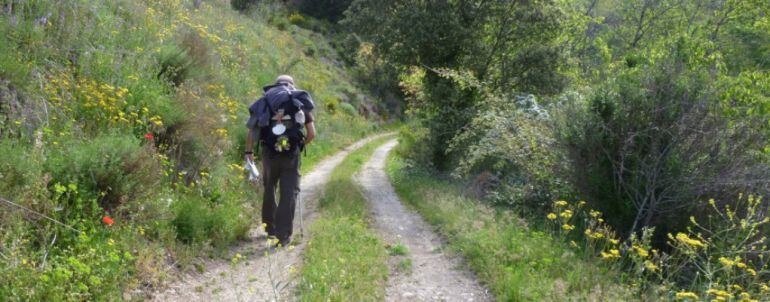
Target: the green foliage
(93, 267)
(111, 169)
(331, 10)
(348, 109)
(89, 129)
(242, 5)
(512, 149)
(660, 129)
(477, 38)
(398, 250)
(18, 168)
(197, 220)
(414, 144)
(175, 65)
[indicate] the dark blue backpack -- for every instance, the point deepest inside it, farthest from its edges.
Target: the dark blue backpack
(280, 119)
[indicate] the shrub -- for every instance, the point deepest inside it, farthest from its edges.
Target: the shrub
(413, 144)
(18, 168)
(110, 169)
(197, 220)
(648, 144)
(348, 109)
(331, 10)
(509, 140)
(298, 20)
(175, 65)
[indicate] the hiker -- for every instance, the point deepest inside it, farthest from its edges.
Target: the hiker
(276, 122)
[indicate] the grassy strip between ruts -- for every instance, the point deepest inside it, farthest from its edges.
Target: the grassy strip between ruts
(344, 260)
(517, 262)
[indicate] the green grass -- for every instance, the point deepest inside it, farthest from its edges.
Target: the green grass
(517, 262)
(83, 92)
(344, 260)
(398, 250)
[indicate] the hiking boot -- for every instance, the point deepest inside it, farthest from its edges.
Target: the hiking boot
(284, 242)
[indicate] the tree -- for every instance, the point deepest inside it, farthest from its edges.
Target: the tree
(508, 45)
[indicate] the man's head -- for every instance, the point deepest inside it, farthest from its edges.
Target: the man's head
(284, 79)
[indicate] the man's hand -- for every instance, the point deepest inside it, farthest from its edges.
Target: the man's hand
(250, 157)
(310, 133)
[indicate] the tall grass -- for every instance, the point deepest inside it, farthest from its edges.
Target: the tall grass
(135, 111)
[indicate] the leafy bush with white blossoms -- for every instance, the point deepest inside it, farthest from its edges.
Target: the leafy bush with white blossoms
(510, 139)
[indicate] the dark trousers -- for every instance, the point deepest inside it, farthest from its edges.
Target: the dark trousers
(280, 170)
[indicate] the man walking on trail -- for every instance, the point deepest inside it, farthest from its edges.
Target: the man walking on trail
(276, 122)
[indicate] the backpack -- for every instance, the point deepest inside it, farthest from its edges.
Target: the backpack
(283, 118)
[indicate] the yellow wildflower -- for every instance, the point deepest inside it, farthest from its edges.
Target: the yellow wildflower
(650, 266)
(726, 262)
(560, 203)
(551, 216)
(683, 238)
(641, 251)
(612, 254)
(686, 295)
(568, 227)
(719, 293)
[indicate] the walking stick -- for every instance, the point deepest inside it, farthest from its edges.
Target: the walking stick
(301, 223)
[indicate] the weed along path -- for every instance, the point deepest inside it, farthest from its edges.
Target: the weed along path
(420, 270)
(255, 272)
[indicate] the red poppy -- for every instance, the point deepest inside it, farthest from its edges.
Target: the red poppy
(107, 220)
(149, 136)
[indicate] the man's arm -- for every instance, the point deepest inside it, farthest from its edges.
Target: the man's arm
(250, 145)
(310, 132)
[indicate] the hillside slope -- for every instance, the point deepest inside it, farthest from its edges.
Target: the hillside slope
(122, 131)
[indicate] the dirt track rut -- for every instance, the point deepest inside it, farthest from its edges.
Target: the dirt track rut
(434, 275)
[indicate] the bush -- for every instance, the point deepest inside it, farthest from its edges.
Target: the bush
(19, 167)
(348, 109)
(510, 141)
(331, 10)
(197, 220)
(111, 169)
(650, 143)
(175, 65)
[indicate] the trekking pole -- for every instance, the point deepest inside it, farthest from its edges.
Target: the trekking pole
(301, 224)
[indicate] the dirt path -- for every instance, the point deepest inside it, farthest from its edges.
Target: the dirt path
(433, 276)
(248, 279)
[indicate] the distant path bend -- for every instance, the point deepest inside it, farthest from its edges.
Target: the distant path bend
(434, 276)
